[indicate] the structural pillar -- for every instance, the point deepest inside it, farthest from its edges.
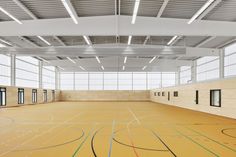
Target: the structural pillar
(13, 70)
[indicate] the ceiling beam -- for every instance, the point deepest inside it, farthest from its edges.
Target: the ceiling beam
(106, 25)
(226, 43)
(158, 16)
(29, 41)
(205, 41)
(59, 40)
(33, 16)
(117, 50)
(207, 11)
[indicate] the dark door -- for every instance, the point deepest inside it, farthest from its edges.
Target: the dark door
(196, 97)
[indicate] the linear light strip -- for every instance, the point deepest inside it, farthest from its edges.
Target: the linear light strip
(6, 42)
(44, 60)
(144, 67)
(10, 15)
(102, 67)
(98, 59)
(69, 10)
(71, 60)
(152, 59)
(44, 40)
(123, 67)
(200, 11)
(82, 68)
(135, 12)
(125, 60)
(87, 40)
(60, 68)
(129, 40)
(172, 40)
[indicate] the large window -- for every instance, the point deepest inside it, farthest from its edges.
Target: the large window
(67, 81)
(125, 80)
(81, 81)
(110, 81)
(154, 80)
(95, 81)
(230, 60)
(27, 72)
(208, 68)
(185, 74)
(48, 73)
(5, 70)
(115, 80)
(139, 81)
(168, 79)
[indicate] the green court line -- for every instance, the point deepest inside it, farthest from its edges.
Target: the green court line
(79, 147)
(198, 144)
(212, 140)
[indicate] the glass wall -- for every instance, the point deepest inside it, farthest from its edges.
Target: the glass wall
(208, 68)
(115, 81)
(5, 70)
(67, 80)
(185, 74)
(168, 79)
(48, 75)
(27, 72)
(230, 61)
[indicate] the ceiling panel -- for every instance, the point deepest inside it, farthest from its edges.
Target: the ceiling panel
(182, 8)
(13, 9)
(46, 9)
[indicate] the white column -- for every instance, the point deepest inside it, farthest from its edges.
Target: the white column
(40, 74)
(194, 72)
(57, 78)
(177, 77)
(13, 70)
(222, 60)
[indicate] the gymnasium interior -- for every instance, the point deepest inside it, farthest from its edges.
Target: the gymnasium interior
(117, 78)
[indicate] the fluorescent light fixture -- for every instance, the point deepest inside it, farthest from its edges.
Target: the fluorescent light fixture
(98, 59)
(1, 45)
(41, 38)
(125, 60)
(129, 40)
(135, 12)
(69, 10)
(200, 11)
(10, 15)
(60, 68)
(44, 60)
(123, 67)
(102, 67)
(81, 68)
(87, 40)
(71, 60)
(152, 59)
(172, 40)
(144, 67)
(6, 42)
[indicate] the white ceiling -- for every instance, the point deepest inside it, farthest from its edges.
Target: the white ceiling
(54, 9)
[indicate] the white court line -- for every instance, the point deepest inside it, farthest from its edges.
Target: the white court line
(112, 136)
(134, 115)
(36, 136)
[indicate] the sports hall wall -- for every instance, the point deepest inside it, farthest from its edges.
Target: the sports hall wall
(186, 97)
(115, 95)
(12, 96)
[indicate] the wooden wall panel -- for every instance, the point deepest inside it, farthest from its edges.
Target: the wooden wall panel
(105, 95)
(186, 98)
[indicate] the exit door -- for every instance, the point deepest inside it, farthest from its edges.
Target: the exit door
(168, 96)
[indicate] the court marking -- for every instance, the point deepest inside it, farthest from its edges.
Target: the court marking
(155, 134)
(38, 135)
(205, 148)
(134, 115)
(82, 143)
(112, 136)
(223, 132)
(212, 140)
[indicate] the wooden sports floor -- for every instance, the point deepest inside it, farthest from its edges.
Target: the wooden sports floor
(113, 129)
